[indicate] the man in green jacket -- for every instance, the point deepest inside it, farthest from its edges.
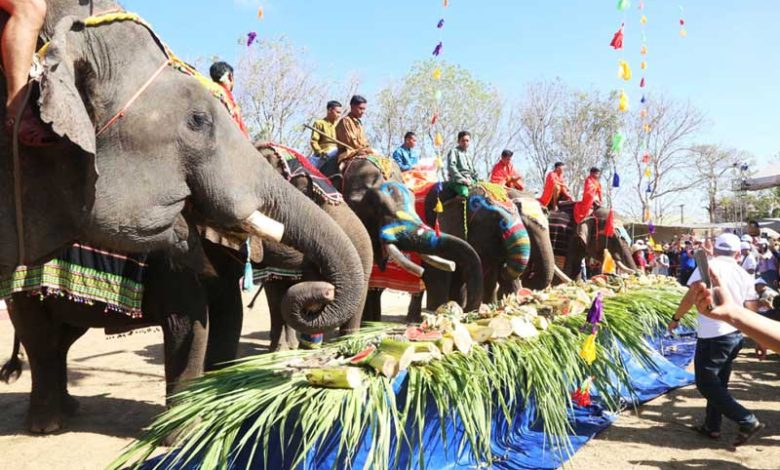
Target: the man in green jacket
(460, 166)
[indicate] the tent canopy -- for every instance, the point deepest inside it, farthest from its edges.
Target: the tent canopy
(768, 177)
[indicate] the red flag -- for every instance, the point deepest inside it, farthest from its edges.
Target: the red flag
(617, 39)
(609, 225)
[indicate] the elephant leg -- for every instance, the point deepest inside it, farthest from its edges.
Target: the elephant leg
(489, 291)
(186, 338)
(69, 335)
(437, 288)
(373, 308)
(414, 313)
(226, 316)
(40, 337)
(283, 337)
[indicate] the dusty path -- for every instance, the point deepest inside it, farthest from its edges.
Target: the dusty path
(120, 385)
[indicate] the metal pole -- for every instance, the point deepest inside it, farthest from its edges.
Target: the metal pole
(682, 214)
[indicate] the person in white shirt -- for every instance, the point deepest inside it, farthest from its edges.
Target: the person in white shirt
(719, 343)
(749, 262)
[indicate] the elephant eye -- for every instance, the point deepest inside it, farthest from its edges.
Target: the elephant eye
(199, 121)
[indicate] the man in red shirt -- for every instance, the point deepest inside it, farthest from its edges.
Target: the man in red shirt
(504, 173)
(591, 196)
(555, 188)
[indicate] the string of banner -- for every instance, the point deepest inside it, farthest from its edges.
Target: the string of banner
(438, 140)
(624, 73)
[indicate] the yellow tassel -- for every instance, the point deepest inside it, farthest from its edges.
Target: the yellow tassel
(624, 71)
(608, 266)
(643, 50)
(439, 162)
(683, 32)
(437, 73)
(647, 172)
(588, 351)
(623, 103)
(643, 20)
(439, 207)
(643, 65)
(438, 140)
(648, 128)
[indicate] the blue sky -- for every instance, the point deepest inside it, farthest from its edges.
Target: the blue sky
(728, 65)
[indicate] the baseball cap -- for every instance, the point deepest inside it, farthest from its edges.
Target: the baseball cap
(747, 238)
(760, 281)
(727, 242)
(744, 246)
(762, 242)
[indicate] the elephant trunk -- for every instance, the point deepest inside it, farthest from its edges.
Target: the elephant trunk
(517, 245)
(314, 307)
(465, 257)
(542, 258)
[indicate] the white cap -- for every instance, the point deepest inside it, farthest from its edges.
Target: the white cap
(745, 245)
(747, 238)
(763, 242)
(727, 242)
(760, 281)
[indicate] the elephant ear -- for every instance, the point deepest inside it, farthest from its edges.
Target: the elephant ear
(64, 86)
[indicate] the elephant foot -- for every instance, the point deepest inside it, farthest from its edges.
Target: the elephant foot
(44, 422)
(69, 404)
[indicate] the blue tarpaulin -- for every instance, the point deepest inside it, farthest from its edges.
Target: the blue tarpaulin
(521, 445)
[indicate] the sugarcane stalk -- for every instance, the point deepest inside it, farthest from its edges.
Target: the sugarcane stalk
(425, 351)
(335, 377)
(402, 351)
(384, 364)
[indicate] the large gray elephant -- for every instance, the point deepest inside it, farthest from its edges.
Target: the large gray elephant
(374, 190)
(572, 242)
(126, 187)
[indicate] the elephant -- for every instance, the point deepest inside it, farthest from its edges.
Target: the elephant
(127, 189)
(373, 189)
(78, 189)
(310, 182)
(497, 234)
(573, 242)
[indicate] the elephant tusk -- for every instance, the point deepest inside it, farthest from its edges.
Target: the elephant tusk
(439, 262)
(625, 268)
(263, 226)
(561, 275)
(405, 263)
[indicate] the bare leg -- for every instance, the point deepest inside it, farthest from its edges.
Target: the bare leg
(19, 39)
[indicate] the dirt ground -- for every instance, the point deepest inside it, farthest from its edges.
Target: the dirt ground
(119, 383)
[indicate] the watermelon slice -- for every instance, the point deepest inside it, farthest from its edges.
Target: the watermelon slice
(414, 333)
(362, 356)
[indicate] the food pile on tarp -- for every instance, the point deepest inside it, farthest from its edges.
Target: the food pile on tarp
(371, 393)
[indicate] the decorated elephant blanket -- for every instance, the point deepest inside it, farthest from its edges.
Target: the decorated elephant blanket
(561, 230)
(295, 164)
(85, 274)
(393, 277)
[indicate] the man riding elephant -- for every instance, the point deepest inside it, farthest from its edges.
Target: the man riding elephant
(20, 36)
(460, 168)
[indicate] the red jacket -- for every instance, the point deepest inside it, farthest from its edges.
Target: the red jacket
(554, 179)
(504, 173)
(590, 194)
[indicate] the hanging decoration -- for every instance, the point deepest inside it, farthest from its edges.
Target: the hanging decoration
(623, 103)
(581, 396)
(624, 70)
(615, 179)
(595, 316)
(260, 13)
(250, 38)
(623, 5)
(440, 24)
(683, 32)
(438, 139)
(651, 228)
(437, 49)
(617, 143)
(617, 39)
